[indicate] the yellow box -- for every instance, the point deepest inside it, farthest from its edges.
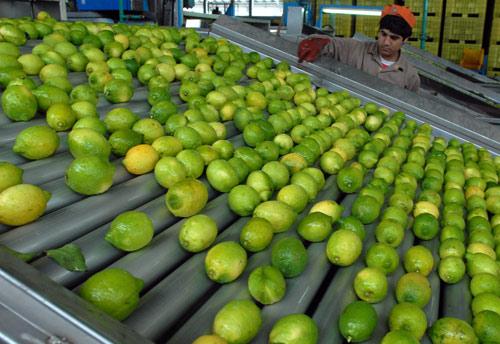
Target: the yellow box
(431, 47)
(417, 7)
(495, 32)
(466, 7)
(464, 29)
(369, 26)
(493, 72)
(454, 51)
(341, 22)
(494, 56)
(433, 30)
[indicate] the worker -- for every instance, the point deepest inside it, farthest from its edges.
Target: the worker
(231, 10)
(382, 58)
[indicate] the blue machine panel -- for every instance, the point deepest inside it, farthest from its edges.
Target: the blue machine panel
(101, 5)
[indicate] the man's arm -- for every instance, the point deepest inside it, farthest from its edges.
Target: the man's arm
(341, 49)
(414, 82)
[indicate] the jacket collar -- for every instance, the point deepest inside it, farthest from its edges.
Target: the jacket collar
(401, 64)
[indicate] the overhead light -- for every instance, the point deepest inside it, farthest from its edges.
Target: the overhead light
(353, 11)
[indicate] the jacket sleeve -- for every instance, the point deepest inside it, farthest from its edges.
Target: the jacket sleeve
(345, 50)
(413, 81)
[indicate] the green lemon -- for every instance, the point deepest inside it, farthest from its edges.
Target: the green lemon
(221, 175)
(83, 93)
(256, 235)
(32, 64)
(357, 321)
(186, 197)
(243, 200)
(382, 256)
(167, 145)
(83, 108)
(343, 247)
(486, 327)
(390, 232)
(150, 128)
(408, 317)
(452, 330)
(197, 233)
(278, 173)
(47, 95)
(268, 150)
(366, 209)
(118, 91)
(451, 269)
(189, 137)
(280, 215)
(352, 224)
(418, 259)
(60, 117)
(350, 179)
(250, 157)
(225, 262)
(238, 321)
(114, 291)
(315, 227)
(130, 231)
(261, 183)
(294, 329)
(84, 142)
(18, 103)
(225, 148)
(22, 203)
(485, 302)
(484, 283)
(10, 175)
(192, 161)
(308, 182)
(266, 284)
(122, 140)
(36, 142)
(451, 247)
(370, 284)
(415, 288)
(425, 226)
(294, 196)
(120, 118)
(328, 207)
(90, 175)
(452, 232)
(50, 71)
(93, 123)
(168, 171)
(290, 256)
(481, 263)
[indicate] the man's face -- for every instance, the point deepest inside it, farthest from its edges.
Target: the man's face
(389, 44)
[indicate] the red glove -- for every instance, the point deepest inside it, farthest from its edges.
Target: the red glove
(310, 48)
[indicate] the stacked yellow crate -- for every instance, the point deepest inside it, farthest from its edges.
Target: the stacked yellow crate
(342, 23)
(433, 28)
(463, 27)
(369, 25)
(494, 50)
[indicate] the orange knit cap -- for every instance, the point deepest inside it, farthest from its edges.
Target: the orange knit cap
(400, 11)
